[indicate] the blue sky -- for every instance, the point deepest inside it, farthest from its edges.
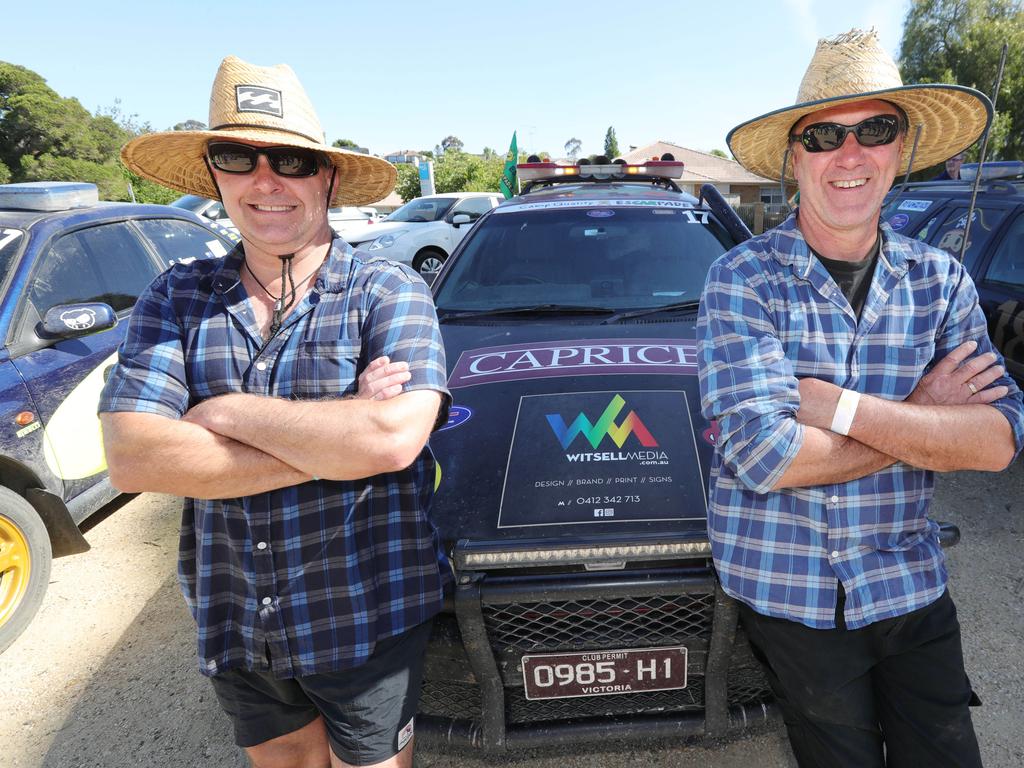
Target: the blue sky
(403, 75)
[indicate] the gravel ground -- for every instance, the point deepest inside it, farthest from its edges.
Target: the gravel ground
(106, 675)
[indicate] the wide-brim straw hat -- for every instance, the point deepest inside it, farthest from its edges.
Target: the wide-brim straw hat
(263, 104)
(854, 67)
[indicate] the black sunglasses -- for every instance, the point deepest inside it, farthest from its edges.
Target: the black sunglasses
(295, 162)
(873, 132)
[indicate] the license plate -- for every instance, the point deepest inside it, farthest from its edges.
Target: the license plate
(603, 673)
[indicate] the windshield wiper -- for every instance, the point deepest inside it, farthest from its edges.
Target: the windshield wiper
(532, 309)
(677, 306)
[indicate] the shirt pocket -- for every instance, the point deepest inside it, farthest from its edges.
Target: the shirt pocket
(894, 371)
(325, 369)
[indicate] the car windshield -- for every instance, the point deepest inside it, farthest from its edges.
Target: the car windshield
(602, 257)
(10, 243)
(423, 209)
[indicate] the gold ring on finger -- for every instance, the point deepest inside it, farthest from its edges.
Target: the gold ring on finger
(970, 386)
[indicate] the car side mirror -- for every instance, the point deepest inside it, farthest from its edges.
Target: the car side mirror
(461, 218)
(70, 321)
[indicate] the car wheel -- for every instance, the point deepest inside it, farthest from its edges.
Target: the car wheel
(428, 264)
(25, 557)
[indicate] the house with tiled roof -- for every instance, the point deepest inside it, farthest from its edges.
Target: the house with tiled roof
(736, 183)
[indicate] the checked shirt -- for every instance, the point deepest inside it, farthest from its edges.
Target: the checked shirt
(771, 314)
(317, 572)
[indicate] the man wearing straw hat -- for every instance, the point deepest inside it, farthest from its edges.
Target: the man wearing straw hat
(844, 365)
(306, 555)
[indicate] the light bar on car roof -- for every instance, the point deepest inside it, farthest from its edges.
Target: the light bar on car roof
(665, 169)
(48, 195)
(995, 169)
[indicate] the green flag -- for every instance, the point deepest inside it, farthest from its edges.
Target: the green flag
(508, 175)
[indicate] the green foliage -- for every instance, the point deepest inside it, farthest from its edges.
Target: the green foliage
(189, 125)
(408, 185)
(46, 137)
(572, 148)
(451, 143)
(344, 144)
(960, 41)
(718, 153)
(611, 144)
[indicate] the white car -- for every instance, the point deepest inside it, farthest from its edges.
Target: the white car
(212, 210)
(424, 231)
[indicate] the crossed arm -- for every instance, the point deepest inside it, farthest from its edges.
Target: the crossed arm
(944, 425)
(242, 444)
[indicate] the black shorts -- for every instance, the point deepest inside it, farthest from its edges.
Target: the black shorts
(368, 710)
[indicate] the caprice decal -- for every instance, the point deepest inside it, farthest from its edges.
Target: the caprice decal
(574, 358)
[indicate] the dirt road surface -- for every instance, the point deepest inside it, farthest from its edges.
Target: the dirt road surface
(106, 675)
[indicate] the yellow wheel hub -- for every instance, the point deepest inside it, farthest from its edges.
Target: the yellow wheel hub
(15, 568)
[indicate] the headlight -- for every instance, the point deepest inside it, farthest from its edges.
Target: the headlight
(386, 241)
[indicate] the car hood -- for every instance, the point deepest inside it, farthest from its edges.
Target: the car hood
(571, 432)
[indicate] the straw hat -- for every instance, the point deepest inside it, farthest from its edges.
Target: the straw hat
(251, 103)
(854, 67)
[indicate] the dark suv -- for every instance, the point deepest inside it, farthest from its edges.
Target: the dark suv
(571, 491)
(70, 269)
(936, 212)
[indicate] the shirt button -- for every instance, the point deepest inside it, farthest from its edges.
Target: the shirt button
(835, 553)
(261, 545)
(267, 600)
(835, 499)
(261, 366)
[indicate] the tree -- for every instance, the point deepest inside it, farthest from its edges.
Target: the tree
(718, 153)
(451, 143)
(960, 41)
(345, 144)
(611, 144)
(572, 148)
(189, 125)
(408, 185)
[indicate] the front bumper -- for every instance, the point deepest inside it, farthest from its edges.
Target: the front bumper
(473, 691)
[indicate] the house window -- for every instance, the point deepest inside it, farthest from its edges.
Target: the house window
(771, 195)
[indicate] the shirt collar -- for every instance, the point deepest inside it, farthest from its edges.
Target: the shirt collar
(790, 248)
(333, 276)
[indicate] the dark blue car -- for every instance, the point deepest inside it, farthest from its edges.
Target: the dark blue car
(936, 212)
(71, 269)
(573, 472)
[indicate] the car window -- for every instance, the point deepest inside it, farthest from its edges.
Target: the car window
(11, 241)
(423, 209)
(215, 211)
(181, 241)
(617, 258)
(905, 214)
(106, 263)
(1007, 264)
(474, 206)
(949, 236)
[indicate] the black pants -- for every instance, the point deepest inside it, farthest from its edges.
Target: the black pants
(844, 693)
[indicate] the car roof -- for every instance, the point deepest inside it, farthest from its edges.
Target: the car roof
(104, 210)
(603, 191)
(958, 188)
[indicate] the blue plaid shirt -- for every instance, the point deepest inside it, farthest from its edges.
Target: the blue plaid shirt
(317, 572)
(772, 314)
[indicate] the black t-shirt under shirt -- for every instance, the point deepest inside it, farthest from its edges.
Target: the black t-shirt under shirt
(853, 277)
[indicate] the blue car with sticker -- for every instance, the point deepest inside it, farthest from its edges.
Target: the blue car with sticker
(71, 269)
(573, 501)
(936, 212)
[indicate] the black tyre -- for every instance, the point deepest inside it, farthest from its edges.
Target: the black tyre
(25, 557)
(428, 263)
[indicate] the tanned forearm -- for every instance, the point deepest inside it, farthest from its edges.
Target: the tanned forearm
(826, 457)
(146, 452)
(942, 438)
(330, 439)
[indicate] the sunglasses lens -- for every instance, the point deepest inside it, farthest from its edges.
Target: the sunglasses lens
(232, 158)
(292, 162)
(824, 137)
(876, 131)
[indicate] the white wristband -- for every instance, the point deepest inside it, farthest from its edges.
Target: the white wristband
(846, 409)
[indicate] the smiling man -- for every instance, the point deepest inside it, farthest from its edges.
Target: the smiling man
(243, 384)
(845, 364)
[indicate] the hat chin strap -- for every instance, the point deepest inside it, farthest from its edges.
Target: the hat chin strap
(910, 162)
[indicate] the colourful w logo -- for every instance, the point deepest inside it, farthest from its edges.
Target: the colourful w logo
(604, 426)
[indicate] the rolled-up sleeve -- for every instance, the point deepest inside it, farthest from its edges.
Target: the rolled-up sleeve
(965, 321)
(402, 324)
(150, 373)
(746, 382)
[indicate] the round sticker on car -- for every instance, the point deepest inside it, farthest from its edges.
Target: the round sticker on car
(899, 221)
(457, 414)
(600, 213)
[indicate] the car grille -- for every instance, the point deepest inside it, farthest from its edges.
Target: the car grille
(599, 623)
